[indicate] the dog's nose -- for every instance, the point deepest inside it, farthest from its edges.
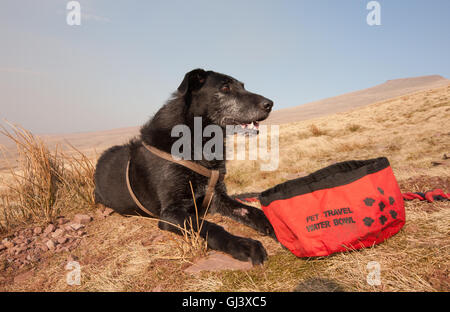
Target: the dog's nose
(267, 105)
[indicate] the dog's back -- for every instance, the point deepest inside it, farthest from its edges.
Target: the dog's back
(110, 184)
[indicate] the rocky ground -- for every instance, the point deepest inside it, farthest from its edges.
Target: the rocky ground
(32, 245)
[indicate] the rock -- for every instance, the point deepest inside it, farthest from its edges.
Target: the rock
(58, 233)
(108, 211)
(82, 219)
(159, 238)
(62, 220)
(50, 244)
(146, 242)
(62, 240)
(27, 233)
(68, 227)
(37, 230)
(76, 226)
(3, 264)
(99, 213)
(216, 261)
(22, 277)
(50, 228)
(71, 258)
(7, 243)
(43, 247)
(2, 247)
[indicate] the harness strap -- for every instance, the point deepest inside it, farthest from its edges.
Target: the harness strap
(213, 176)
(133, 196)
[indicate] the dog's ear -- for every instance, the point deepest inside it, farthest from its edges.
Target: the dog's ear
(192, 81)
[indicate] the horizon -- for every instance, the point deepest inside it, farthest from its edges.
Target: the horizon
(124, 60)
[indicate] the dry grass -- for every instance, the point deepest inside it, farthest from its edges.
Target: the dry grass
(315, 131)
(132, 254)
(33, 192)
(43, 184)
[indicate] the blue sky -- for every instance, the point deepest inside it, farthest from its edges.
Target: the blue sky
(121, 64)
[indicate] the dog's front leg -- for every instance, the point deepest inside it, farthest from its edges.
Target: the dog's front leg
(241, 248)
(248, 215)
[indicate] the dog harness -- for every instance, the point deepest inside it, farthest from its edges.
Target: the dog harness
(213, 176)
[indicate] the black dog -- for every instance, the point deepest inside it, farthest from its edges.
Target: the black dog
(163, 186)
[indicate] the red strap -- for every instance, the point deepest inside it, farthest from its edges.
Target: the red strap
(429, 196)
(411, 196)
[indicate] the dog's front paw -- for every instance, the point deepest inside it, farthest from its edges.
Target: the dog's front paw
(246, 248)
(261, 223)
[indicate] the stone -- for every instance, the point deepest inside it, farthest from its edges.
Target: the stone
(82, 219)
(108, 211)
(7, 243)
(19, 279)
(2, 247)
(99, 213)
(62, 240)
(50, 244)
(49, 229)
(217, 261)
(62, 221)
(37, 230)
(146, 242)
(71, 258)
(68, 227)
(58, 233)
(28, 233)
(76, 226)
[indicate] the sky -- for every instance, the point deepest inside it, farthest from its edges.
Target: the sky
(126, 58)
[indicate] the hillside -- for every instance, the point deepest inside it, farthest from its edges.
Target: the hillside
(348, 101)
(118, 253)
(93, 143)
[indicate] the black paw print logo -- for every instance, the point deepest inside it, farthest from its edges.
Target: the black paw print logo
(368, 221)
(381, 205)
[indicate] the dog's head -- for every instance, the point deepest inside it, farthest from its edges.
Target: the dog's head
(223, 100)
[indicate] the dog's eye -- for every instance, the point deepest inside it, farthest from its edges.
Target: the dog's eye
(225, 88)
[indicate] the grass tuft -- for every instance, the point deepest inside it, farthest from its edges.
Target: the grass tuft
(44, 184)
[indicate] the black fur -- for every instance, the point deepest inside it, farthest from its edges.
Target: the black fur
(163, 186)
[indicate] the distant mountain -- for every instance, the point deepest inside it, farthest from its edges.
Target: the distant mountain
(95, 142)
(348, 101)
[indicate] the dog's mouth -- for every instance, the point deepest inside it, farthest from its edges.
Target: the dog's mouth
(245, 128)
(254, 125)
